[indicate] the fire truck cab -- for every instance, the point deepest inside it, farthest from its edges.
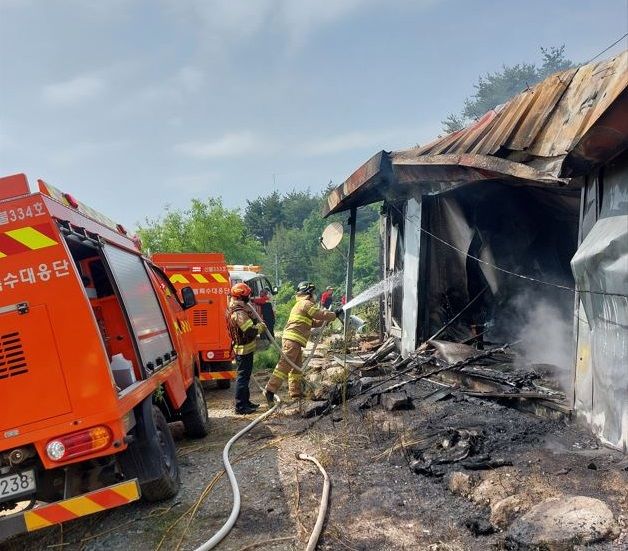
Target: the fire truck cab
(207, 274)
(96, 357)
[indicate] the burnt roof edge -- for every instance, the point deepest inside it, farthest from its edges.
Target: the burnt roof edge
(364, 186)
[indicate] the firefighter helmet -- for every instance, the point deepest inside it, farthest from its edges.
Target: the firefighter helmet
(305, 288)
(240, 290)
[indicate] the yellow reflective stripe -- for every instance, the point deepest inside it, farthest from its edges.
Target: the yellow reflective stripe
(246, 325)
(313, 310)
(178, 278)
(82, 506)
(292, 336)
(295, 376)
(127, 491)
(242, 349)
(300, 318)
(34, 522)
(200, 278)
(280, 374)
(31, 238)
(219, 278)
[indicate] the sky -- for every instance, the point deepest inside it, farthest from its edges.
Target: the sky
(133, 105)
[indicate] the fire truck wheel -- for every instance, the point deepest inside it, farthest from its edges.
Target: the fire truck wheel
(194, 412)
(167, 485)
(223, 384)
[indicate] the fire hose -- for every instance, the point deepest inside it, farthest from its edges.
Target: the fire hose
(322, 511)
(235, 509)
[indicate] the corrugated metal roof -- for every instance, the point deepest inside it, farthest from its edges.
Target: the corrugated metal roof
(541, 127)
(546, 120)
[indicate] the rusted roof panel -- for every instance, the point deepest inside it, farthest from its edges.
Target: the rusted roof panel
(546, 120)
(546, 96)
(592, 90)
(466, 167)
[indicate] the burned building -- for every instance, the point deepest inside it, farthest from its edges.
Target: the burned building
(516, 229)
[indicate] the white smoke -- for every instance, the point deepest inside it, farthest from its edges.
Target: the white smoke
(547, 338)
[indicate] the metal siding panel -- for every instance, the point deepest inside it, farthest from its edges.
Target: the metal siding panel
(583, 386)
(141, 304)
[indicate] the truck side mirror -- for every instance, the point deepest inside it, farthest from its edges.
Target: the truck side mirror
(189, 298)
(275, 290)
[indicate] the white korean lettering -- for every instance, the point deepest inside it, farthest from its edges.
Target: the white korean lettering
(27, 275)
(61, 268)
(44, 272)
(10, 280)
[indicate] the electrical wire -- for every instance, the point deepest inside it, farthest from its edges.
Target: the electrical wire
(607, 48)
(504, 270)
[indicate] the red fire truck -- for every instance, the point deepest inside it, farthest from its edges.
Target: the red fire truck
(207, 274)
(96, 357)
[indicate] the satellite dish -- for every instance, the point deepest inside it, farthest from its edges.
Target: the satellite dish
(332, 236)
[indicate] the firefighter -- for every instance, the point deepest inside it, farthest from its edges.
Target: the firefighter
(244, 329)
(304, 315)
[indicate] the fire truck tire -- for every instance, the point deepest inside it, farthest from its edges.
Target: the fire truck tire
(168, 483)
(194, 412)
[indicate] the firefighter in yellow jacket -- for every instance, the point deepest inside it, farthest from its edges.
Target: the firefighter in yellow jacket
(305, 315)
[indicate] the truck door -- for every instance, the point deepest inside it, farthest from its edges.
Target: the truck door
(145, 316)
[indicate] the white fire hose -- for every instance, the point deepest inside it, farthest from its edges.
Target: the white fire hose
(235, 509)
(322, 511)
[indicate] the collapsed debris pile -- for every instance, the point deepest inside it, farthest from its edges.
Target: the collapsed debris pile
(495, 373)
(473, 447)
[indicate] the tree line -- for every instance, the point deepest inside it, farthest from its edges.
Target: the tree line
(279, 231)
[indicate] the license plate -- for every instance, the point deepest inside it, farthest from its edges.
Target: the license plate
(16, 484)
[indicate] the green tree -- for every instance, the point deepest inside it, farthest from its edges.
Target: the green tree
(298, 205)
(207, 226)
(366, 269)
(263, 215)
(496, 88)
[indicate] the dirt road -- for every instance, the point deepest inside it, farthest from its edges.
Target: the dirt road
(377, 501)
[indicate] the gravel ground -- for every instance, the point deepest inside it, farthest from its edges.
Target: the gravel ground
(377, 501)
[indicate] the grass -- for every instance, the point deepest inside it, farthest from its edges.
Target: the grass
(266, 359)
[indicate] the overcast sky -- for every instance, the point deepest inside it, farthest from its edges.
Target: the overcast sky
(131, 105)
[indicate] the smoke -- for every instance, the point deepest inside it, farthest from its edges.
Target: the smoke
(546, 340)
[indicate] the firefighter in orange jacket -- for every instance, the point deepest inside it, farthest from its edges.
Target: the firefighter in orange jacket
(305, 315)
(244, 329)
